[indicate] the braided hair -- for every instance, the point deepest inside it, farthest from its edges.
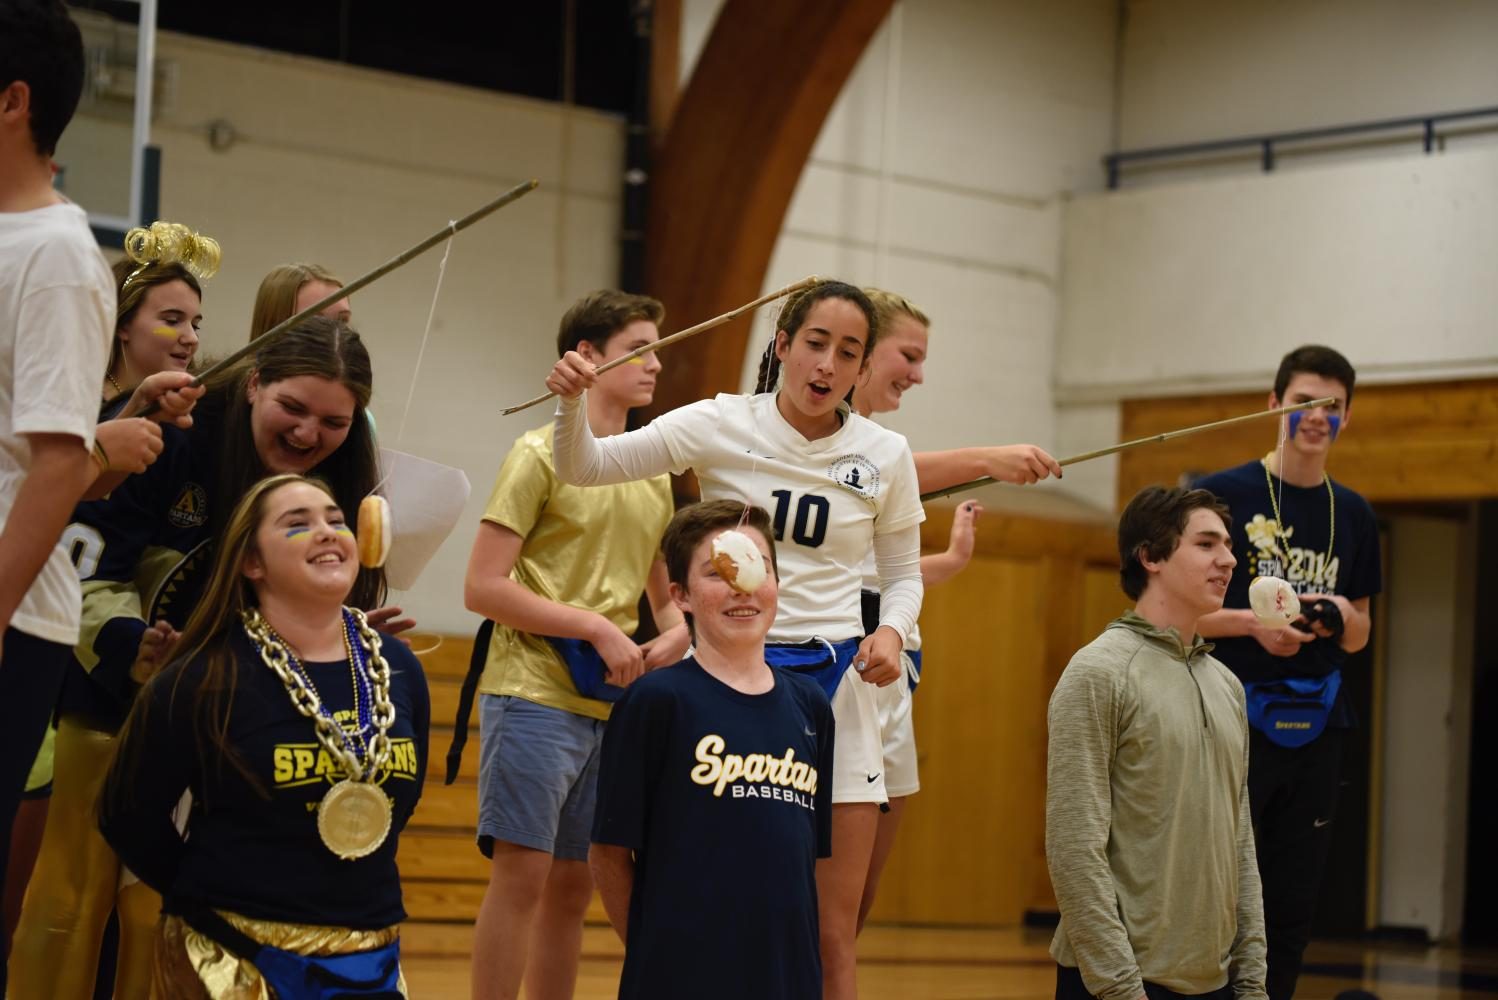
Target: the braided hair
(793, 317)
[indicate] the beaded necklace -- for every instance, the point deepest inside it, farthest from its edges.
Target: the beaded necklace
(1274, 502)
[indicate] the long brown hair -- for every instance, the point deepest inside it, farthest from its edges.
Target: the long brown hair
(206, 636)
(321, 347)
(275, 302)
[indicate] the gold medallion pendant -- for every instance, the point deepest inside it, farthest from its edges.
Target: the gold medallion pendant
(353, 819)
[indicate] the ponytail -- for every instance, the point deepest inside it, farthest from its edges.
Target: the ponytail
(769, 368)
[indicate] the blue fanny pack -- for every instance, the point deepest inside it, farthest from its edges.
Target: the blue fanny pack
(587, 668)
(914, 677)
(371, 975)
(824, 662)
(1293, 711)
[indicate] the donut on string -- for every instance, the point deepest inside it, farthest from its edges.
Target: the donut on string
(373, 532)
(739, 561)
(1273, 601)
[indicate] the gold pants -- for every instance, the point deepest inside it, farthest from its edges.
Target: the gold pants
(76, 884)
(191, 966)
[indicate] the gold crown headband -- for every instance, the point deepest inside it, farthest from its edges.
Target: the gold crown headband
(171, 243)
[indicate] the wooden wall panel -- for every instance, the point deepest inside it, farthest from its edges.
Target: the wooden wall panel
(972, 846)
(1426, 441)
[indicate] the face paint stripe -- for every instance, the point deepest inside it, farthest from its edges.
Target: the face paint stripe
(1334, 423)
(298, 532)
(165, 332)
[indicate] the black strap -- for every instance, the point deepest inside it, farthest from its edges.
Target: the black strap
(206, 921)
(476, 661)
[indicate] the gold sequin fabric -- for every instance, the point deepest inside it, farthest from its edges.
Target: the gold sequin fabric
(191, 966)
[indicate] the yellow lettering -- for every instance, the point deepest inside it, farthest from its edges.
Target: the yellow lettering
(755, 768)
(800, 775)
(304, 761)
(733, 770)
(281, 760)
(708, 749)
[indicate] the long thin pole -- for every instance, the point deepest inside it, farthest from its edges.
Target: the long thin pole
(1088, 456)
(690, 331)
(447, 231)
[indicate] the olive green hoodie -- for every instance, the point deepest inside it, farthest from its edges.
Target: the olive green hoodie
(1147, 833)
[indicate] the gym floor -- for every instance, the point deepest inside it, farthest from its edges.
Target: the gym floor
(903, 963)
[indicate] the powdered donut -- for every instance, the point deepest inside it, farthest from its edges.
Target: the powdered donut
(739, 561)
(374, 531)
(1273, 601)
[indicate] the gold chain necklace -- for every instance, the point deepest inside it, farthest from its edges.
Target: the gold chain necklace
(1274, 502)
(354, 817)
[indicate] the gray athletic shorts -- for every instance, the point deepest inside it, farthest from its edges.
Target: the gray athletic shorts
(538, 777)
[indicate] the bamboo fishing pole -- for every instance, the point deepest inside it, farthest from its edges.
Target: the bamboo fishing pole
(446, 232)
(690, 331)
(1088, 456)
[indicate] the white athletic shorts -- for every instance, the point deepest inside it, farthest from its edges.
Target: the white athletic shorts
(897, 734)
(858, 750)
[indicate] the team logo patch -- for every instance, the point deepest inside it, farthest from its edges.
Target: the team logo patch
(190, 509)
(856, 473)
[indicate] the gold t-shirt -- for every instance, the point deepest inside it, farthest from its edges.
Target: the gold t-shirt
(586, 546)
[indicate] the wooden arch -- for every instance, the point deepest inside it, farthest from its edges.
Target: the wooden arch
(732, 155)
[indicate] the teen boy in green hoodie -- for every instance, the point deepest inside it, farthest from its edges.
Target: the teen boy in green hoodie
(1148, 836)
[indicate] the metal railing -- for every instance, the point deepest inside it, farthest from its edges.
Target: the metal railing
(1266, 144)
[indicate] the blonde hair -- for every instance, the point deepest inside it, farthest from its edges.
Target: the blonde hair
(891, 307)
(275, 302)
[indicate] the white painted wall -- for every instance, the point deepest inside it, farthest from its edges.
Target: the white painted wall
(1203, 285)
(347, 167)
(1426, 725)
(941, 174)
(1193, 70)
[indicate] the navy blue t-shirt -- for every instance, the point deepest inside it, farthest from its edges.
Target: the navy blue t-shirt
(1352, 568)
(256, 851)
(726, 800)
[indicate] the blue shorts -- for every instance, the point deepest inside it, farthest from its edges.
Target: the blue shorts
(538, 777)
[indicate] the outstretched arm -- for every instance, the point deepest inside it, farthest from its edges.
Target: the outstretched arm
(1011, 463)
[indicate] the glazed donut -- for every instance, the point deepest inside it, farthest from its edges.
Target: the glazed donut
(1273, 601)
(374, 531)
(739, 561)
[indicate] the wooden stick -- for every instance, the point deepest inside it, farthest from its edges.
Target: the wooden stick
(1088, 456)
(446, 232)
(690, 331)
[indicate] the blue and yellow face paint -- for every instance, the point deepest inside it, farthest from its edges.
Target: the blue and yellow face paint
(1333, 420)
(302, 531)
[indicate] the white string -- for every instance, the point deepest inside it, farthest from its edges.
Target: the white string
(774, 314)
(400, 430)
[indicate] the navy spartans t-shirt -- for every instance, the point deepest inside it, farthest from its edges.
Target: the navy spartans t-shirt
(726, 800)
(1306, 555)
(252, 846)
